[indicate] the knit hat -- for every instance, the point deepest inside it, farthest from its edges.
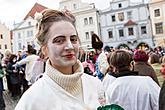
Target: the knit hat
(96, 42)
(140, 55)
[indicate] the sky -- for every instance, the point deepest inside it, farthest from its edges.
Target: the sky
(13, 11)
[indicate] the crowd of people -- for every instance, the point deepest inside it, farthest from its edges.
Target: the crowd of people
(61, 75)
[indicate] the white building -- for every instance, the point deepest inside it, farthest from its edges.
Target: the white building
(86, 19)
(126, 24)
(157, 13)
(5, 38)
(24, 32)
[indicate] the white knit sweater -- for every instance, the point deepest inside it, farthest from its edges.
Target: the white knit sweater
(71, 83)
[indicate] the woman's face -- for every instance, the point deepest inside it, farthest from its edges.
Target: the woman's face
(62, 45)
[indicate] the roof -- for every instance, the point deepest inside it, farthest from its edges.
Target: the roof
(36, 8)
(129, 23)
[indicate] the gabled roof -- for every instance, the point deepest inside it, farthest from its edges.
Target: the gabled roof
(129, 23)
(36, 8)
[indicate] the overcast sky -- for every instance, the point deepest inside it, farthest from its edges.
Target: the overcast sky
(15, 10)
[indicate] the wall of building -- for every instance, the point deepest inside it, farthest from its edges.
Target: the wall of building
(24, 34)
(153, 5)
(140, 16)
(5, 38)
(83, 13)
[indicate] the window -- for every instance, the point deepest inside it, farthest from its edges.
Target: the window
(87, 35)
(110, 34)
(85, 21)
(143, 30)
(33, 45)
(1, 36)
(5, 46)
(74, 6)
(113, 18)
(129, 14)
(28, 43)
(119, 5)
(29, 33)
(121, 16)
(159, 28)
(121, 33)
(19, 35)
(29, 23)
(90, 20)
(157, 12)
(19, 46)
(130, 31)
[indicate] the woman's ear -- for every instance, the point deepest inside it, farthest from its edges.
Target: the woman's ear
(44, 50)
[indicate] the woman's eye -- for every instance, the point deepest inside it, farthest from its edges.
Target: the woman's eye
(59, 40)
(74, 39)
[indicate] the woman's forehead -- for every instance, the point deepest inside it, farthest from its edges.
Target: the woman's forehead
(62, 28)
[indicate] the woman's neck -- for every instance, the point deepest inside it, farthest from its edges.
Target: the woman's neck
(66, 70)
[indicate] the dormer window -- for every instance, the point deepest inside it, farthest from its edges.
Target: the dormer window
(119, 5)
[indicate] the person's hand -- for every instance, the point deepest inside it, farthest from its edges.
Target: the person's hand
(21, 72)
(15, 71)
(14, 65)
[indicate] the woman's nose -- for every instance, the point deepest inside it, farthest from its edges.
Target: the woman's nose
(69, 45)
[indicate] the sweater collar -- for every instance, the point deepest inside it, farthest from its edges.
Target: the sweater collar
(70, 83)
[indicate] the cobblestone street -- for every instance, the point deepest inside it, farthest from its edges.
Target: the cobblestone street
(10, 103)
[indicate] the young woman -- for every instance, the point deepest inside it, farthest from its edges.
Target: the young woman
(63, 85)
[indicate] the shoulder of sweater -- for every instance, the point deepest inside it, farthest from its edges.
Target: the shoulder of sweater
(90, 78)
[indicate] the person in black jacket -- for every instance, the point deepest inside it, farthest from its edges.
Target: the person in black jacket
(14, 76)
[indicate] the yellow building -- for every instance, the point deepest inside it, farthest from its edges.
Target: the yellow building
(157, 15)
(5, 38)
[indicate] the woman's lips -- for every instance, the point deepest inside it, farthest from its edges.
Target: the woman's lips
(69, 56)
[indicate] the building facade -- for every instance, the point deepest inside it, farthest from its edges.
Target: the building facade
(24, 32)
(157, 15)
(86, 19)
(5, 38)
(126, 24)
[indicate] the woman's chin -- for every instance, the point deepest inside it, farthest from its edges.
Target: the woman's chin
(69, 63)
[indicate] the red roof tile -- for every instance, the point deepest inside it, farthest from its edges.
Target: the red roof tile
(36, 8)
(129, 23)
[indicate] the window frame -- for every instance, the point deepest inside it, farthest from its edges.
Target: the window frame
(87, 35)
(132, 31)
(143, 31)
(159, 28)
(113, 17)
(90, 20)
(120, 33)
(110, 36)
(157, 12)
(85, 21)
